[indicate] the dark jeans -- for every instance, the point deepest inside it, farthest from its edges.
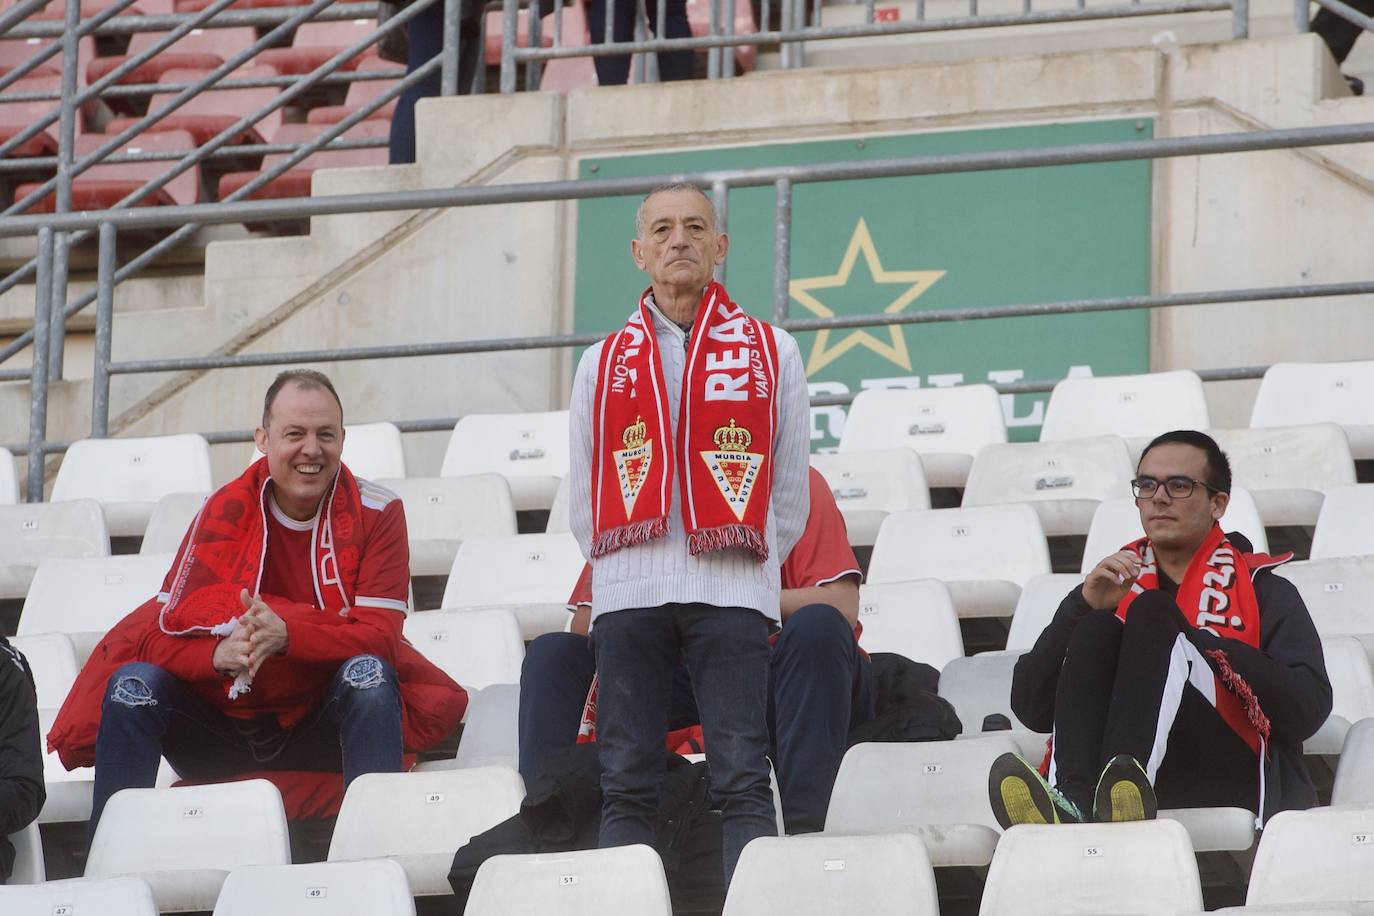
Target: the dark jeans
(820, 687)
(614, 70)
(424, 40)
(1120, 692)
(148, 714)
(1340, 34)
(726, 654)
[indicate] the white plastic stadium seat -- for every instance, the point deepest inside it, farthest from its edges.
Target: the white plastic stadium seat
(28, 857)
(1343, 528)
(128, 476)
(868, 486)
(1343, 393)
(490, 729)
(980, 686)
(1322, 856)
(84, 598)
(1040, 598)
(532, 574)
(1352, 693)
(373, 450)
(185, 841)
(1286, 469)
(1353, 785)
(1117, 523)
(1134, 407)
(80, 896)
(377, 887)
(529, 449)
(1144, 868)
(819, 875)
(946, 426)
(442, 512)
(9, 480)
(52, 658)
(558, 512)
(1337, 594)
(983, 555)
(474, 647)
(420, 819)
(624, 881)
(1063, 481)
(69, 791)
(937, 790)
(33, 532)
(172, 517)
(915, 619)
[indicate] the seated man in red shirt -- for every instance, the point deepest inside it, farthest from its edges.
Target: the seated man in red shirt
(820, 681)
(275, 643)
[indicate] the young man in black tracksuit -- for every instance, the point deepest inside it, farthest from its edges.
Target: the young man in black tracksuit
(1181, 673)
(21, 752)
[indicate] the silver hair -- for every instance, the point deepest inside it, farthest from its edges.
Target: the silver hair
(670, 188)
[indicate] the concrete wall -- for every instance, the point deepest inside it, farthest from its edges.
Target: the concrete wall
(1242, 220)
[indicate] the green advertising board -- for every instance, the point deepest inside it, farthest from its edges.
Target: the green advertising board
(921, 243)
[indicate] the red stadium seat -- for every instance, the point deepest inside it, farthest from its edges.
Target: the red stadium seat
(566, 73)
(699, 17)
(195, 6)
(199, 49)
(317, 42)
(522, 34)
(17, 51)
(207, 114)
(359, 94)
(102, 186)
(296, 181)
(15, 116)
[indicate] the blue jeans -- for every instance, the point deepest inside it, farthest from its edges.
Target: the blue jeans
(726, 653)
(821, 687)
(424, 41)
(148, 714)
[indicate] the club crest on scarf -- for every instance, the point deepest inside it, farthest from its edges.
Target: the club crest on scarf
(632, 462)
(733, 467)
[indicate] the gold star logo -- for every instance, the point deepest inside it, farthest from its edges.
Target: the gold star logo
(823, 353)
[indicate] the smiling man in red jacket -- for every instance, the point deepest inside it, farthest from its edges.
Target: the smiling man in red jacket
(275, 643)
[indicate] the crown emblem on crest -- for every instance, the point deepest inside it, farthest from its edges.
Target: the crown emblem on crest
(634, 434)
(732, 438)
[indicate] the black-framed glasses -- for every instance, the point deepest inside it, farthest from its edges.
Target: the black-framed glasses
(1177, 487)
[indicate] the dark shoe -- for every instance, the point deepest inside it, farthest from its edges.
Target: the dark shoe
(1020, 795)
(1356, 85)
(1124, 792)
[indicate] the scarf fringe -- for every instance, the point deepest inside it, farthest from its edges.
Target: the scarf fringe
(726, 536)
(628, 535)
(1243, 691)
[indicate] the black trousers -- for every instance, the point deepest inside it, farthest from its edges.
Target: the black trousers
(1141, 688)
(614, 70)
(1339, 34)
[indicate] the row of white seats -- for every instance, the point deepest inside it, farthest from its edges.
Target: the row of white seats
(1287, 472)
(186, 844)
(947, 426)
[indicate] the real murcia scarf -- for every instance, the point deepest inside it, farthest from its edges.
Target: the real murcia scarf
(1217, 594)
(225, 550)
(722, 454)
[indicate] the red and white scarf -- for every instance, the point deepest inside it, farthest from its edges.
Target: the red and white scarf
(225, 551)
(727, 418)
(1217, 594)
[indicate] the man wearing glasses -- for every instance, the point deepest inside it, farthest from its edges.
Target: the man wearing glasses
(1181, 673)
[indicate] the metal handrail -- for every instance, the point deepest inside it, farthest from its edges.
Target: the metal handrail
(224, 152)
(138, 90)
(165, 22)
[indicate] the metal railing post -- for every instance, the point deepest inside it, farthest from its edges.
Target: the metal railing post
(799, 21)
(509, 10)
(448, 72)
(713, 55)
(66, 155)
(720, 198)
(727, 62)
(1301, 14)
(641, 33)
(535, 68)
(38, 371)
(782, 249)
(104, 329)
(1240, 19)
